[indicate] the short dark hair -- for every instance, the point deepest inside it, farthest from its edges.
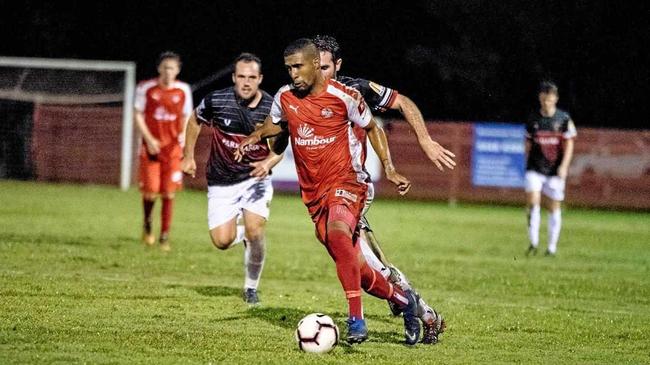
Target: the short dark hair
(247, 57)
(301, 44)
(169, 55)
(548, 87)
(327, 43)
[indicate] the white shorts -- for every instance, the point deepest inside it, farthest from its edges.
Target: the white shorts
(551, 186)
(226, 202)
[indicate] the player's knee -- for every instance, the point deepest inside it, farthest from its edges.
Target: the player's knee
(255, 234)
(222, 240)
(150, 196)
(168, 195)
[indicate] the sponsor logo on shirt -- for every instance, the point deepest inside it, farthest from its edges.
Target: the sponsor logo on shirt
(378, 89)
(234, 145)
(306, 137)
(162, 115)
(346, 195)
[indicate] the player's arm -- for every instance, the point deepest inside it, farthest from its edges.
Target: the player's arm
(563, 169)
(277, 146)
(268, 129)
(434, 151)
(152, 143)
(379, 143)
(192, 131)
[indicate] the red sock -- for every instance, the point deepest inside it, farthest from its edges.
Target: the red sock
(345, 255)
(166, 212)
(148, 208)
(375, 284)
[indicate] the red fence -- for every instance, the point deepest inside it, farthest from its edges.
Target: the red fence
(611, 168)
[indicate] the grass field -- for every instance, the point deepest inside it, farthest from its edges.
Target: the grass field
(76, 285)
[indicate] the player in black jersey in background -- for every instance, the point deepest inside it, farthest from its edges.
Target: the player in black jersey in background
(236, 190)
(550, 136)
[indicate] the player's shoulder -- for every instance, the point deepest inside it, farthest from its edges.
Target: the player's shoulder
(563, 115)
(342, 90)
(178, 84)
(266, 96)
(147, 84)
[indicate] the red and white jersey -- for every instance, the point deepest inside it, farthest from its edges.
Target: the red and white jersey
(165, 109)
(326, 150)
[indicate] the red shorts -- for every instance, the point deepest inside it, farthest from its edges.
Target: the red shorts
(343, 203)
(161, 173)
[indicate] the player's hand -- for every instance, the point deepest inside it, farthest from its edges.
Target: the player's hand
(241, 150)
(188, 165)
(562, 172)
(403, 184)
(153, 146)
(261, 169)
(438, 154)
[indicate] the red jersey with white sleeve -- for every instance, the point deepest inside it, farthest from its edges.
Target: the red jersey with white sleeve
(327, 152)
(164, 109)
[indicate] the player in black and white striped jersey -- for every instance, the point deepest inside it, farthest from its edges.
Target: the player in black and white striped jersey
(237, 191)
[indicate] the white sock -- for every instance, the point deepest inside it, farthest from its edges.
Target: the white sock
(372, 260)
(554, 226)
(254, 255)
(534, 217)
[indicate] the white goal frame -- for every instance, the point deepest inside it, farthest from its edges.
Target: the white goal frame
(90, 65)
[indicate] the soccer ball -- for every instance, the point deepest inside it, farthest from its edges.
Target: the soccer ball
(317, 333)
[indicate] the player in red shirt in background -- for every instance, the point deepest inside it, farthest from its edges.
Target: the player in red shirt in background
(332, 180)
(162, 106)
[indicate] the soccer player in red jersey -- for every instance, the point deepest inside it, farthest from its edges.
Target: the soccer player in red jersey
(328, 157)
(162, 106)
(381, 98)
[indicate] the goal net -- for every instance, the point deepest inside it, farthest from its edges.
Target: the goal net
(67, 120)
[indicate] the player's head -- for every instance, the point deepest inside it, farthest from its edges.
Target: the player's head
(247, 75)
(330, 55)
(302, 60)
(548, 95)
(169, 66)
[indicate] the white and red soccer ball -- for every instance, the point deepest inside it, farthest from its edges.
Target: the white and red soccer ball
(317, 333)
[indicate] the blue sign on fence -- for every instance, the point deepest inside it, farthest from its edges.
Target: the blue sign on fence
(498, 155)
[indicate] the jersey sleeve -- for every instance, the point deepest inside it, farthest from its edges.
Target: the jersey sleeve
(569, 131)
(140, 98)
(189, 103)
(205, 111)
(277, 113)
(358, 111)
(378, 97)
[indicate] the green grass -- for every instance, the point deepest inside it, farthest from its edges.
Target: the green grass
(76, 286)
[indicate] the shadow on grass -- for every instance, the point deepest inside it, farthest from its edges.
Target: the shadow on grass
(218, 291)
(288, 318)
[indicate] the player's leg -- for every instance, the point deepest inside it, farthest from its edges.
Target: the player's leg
(256, 212)
(149, 176)
(171, 180)
(554, 190)
(534, 182)
(223, 209)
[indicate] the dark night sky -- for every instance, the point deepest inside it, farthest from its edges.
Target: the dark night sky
(458, 60)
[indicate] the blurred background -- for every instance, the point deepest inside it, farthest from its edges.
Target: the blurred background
(462, 62)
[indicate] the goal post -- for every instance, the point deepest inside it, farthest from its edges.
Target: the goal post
(34, 80)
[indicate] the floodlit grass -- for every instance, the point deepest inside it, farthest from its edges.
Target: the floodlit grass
(76, 286)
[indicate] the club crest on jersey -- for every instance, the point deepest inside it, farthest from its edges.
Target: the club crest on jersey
(306, 137)
(556, 125)
(176, 99)
(346, 195)
(326, 112)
